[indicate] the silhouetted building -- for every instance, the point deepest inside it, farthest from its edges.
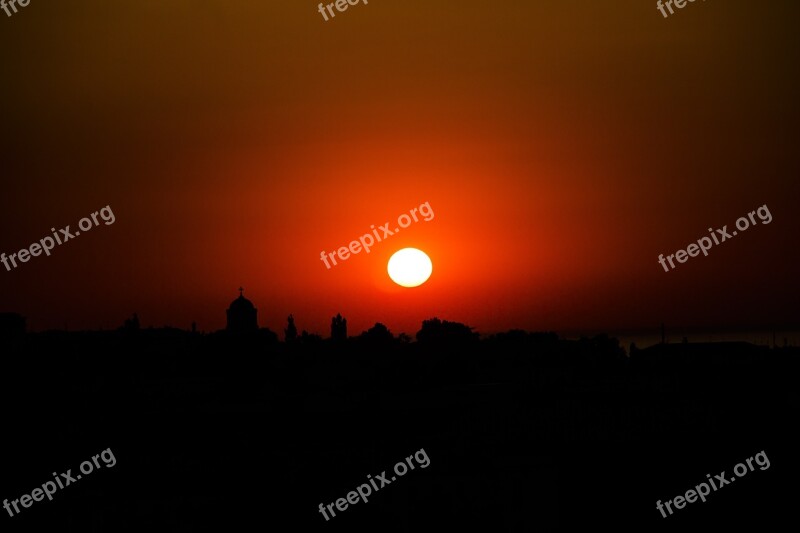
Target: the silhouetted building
(242, 315)
(338, 328)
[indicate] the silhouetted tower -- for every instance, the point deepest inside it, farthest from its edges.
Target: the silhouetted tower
(290, 333)
(338, 328)
(242, 315)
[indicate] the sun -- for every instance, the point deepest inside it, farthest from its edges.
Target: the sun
(410, 267)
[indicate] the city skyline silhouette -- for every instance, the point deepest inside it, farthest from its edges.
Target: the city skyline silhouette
(257, 258)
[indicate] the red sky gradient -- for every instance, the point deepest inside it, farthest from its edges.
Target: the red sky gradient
(562, 147)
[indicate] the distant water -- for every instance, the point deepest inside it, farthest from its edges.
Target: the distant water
(643, 340)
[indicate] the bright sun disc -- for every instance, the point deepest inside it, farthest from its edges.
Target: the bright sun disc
(410, 267)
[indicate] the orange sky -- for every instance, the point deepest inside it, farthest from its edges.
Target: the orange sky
(561, 145)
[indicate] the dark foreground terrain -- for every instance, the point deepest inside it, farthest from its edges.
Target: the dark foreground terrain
(524, 432)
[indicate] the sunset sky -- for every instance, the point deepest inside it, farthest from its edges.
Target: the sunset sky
(562, 145)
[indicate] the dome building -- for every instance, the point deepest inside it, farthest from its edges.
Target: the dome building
(242, 315)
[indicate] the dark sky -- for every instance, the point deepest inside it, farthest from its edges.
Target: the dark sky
(562, 145)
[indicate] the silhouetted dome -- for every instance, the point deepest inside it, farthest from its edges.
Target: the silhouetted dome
(242, 315)
(241, 304)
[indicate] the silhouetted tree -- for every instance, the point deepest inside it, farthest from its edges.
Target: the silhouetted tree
(338, 328)
(378, 334)
(438, 331)
(290, 333)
